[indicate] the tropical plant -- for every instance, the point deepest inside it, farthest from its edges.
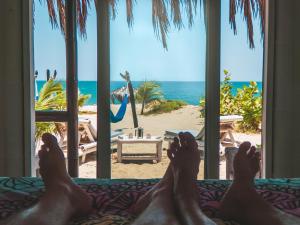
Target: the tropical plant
(247, 103)
(53, 97)
(226, 97)
(161, 17)
(202, 107)
(148, 92)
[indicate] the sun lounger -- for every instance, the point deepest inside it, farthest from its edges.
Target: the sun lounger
(170, 134)
(226, 137)
(87, 139)
(226, 127)
(91, 132)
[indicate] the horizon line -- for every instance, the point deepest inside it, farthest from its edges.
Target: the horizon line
(158, 80)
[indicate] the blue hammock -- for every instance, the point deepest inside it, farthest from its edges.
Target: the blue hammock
(121, 112)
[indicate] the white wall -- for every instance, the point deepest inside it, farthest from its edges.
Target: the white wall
(16, 97)
(286, 102)
(15, 93)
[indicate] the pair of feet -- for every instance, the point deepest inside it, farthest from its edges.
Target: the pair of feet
(178, 180)
(178, 183)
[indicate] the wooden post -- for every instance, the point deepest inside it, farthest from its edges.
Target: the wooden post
(72, 87)
(119, 152)
(28, 82)
(133, 108)
(212, 107)
(268, 91)
(126, 77)
(103, 90)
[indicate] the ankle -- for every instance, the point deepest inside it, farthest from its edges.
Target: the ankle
(243, 182)
(186, 191)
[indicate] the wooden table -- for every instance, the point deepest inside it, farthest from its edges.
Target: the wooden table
(124, 139)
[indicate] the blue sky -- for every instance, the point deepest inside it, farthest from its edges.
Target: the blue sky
(140, 52)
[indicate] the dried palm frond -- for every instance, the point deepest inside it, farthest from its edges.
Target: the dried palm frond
(82, 12)
(262, 16)
(160, 20)
(62, 15)
(190, 5)
(113, 5)
(176, 13)
(250, 9)
(160, 16)
(56, 8)
(52, 13)
(129, 10)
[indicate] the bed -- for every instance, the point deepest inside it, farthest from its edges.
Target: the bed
(112, 199)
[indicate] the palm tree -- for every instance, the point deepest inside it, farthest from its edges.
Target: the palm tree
(52, 97)
(160, 16)
(148, 92)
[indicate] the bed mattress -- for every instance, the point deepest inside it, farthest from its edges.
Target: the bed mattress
(112, 199)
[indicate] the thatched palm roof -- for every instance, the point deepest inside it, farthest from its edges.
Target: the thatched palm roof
(161, 18)
(117, 95)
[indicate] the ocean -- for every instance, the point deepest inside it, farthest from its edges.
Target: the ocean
(190, 92)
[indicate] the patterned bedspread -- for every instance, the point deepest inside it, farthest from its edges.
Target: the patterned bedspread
(112, 199)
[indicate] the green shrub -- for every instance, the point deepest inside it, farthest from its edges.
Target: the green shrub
(166, 106)
(227, 100)
(247, 103)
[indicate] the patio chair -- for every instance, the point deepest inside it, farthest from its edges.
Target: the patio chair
(226, 137)
(199, 136)
(87, 137)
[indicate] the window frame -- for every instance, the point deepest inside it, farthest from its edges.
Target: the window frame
(29, 113)
(212, 88)
(213, 48)
(71, 115)
(268, 87)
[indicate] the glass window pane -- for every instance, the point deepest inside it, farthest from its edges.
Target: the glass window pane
(168, 85)
(49, 62)
(58, 129)
(241, 88)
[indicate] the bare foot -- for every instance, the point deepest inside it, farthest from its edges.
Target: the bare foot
(246, 165)
(165, 185)
(185, 159)
(56, 179)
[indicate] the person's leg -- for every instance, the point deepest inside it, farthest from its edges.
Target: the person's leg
(185, 158)
(144, 201)
(241, 202)
(62, 199)
(157, 205)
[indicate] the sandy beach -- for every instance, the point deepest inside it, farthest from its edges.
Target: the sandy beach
(187, 118)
